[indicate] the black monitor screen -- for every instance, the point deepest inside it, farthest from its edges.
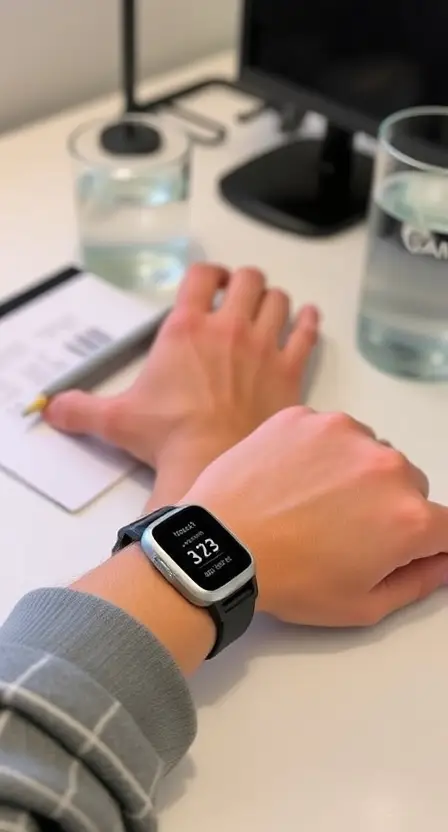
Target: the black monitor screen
(370, 56)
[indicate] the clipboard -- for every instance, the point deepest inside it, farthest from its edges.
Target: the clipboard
(14, 302)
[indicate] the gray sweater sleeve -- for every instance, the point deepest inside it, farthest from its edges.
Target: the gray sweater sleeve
(93, 713)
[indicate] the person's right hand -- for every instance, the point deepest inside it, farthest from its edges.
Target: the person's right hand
(339, 524)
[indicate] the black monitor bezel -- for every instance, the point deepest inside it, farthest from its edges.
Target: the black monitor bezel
(277, 89)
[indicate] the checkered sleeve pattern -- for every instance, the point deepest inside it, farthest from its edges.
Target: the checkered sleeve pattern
(93, 712)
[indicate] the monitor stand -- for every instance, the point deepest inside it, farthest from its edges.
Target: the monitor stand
(312, 187)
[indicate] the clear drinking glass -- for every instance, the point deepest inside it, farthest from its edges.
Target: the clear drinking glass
(403, 319)
(132, 204)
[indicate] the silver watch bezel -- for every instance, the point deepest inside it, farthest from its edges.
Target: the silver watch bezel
(178, 578)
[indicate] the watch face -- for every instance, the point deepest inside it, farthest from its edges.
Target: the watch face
(202, 548)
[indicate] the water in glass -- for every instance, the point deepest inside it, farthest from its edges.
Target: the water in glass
(403, 325)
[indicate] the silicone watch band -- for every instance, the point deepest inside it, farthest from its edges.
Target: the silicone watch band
(134, 532)
(233, 616)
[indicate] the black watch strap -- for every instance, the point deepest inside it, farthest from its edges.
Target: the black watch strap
(134, 532)
(233, 616)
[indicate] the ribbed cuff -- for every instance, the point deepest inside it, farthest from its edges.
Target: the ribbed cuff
(118, 653)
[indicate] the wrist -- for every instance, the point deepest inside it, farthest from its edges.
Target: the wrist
(129, 581)
(196, 445)
(181, 461)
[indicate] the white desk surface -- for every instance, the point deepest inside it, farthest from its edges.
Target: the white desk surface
(298, 730)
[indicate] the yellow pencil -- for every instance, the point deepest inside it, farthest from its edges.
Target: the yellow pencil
(107, 361)
(37, 406)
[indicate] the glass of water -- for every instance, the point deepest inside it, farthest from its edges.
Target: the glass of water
(132, 187)
(403, 319)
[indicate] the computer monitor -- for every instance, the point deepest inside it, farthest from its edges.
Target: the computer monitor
(353, 61)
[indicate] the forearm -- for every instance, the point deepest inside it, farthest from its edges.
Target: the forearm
(130, 582)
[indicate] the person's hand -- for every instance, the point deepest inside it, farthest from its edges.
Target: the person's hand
(339, 524)
(211, 377)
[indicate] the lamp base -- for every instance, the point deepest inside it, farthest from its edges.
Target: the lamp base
(127, 139)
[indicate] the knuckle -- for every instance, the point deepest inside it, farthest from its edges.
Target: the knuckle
(250, 273)
(338, 421)
(290, 416)
(235, 331)
(415, 517)
(371, 614)
(368, 611)
(182, 322)
(390, 461)
(258, 279)
(249, 278)
(279, 296)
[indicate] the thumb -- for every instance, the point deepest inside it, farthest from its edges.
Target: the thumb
(411, 583)
(85, 413)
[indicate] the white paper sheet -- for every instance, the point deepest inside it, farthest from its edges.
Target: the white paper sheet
(39, 343)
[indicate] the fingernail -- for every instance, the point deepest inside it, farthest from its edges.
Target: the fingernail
(52, 413)
(312, 312)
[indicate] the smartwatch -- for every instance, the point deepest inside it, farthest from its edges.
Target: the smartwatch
(203, 561)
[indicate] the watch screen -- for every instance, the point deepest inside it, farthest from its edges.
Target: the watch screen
(202, 548)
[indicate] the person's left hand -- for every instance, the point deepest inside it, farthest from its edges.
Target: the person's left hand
(211, 377)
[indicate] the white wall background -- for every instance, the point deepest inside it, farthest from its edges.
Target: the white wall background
(55, 53)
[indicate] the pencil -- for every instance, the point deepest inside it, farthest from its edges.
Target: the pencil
(103, 364)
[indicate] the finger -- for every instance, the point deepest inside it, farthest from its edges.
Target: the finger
(409, 584)
(303, 337)
(244, 293)
(436, 533)
(273, 315)
(200, 286)
(76, 412)
(421, 483)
